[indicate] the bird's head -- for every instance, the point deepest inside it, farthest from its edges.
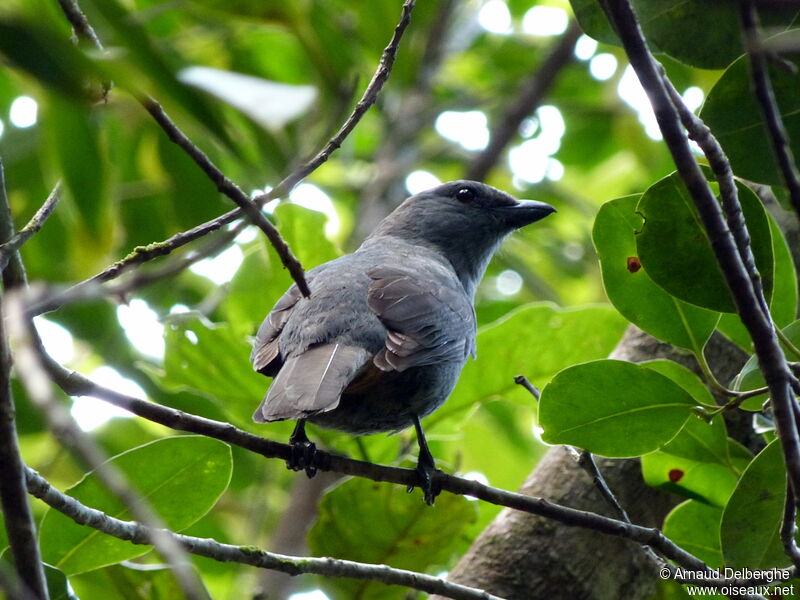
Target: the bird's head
(463, 220)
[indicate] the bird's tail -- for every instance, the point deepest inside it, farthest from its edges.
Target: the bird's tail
(311, 382)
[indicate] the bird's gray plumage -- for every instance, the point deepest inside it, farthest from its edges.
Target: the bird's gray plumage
(388, 328)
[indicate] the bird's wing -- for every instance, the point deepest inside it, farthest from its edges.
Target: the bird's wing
(429, 319)
(311, 382)
(266, 353)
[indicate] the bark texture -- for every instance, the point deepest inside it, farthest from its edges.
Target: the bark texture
(524, 557)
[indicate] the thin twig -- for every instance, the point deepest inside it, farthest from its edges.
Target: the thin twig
(523, 381)
(766, 345)
(17, 513)
(528, 98)
(80, 25)
(90, 290)
(228, 188)
(8, 248)
(587, 463)
(293, 565)
(765, 95)
(30, 369)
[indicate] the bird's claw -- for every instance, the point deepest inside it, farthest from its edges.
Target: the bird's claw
(303, 452)
(302, 457)
(428, 481)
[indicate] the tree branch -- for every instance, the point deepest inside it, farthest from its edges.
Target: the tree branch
(92, 289)
(330, 567)
(528, 98)
(16, 511)
(80, 25)
(75, 384)
(767, 348)
(766, 100)
(789, 528)
(16, 241)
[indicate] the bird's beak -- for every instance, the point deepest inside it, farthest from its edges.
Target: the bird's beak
(525, 212)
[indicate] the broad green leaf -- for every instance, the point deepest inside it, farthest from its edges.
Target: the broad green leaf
(751, 520)
(675, 251)
(783, 304)
(685, 378)
(373, 522)
(537, 341)
(77, 144)
(630, 288)
(613, 408)
(180, 477)
(593, 21)
(119, 582)
(751, 378)
(712, 25)
(212, 360)
(695, 463)
(694, 526)
(54, 61)
(58, 587)
(735, 119)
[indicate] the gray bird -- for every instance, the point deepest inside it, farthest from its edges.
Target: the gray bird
(382, 339)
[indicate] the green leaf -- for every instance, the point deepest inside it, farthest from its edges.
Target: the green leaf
(212, 360)
(751, 378)
(77, 144)
(712, 25)
(630, 288)
(180, 477)
(695, 463)
(751, 520)
(694, 526)
(373, 522)
(685, 378)
(58, 587)
(709, 482)
(56, 63)
(537, 341)
(593, 21)
(675, 250)
(612, 408)
(735, 119)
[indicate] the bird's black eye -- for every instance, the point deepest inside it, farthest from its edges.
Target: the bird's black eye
(465, 195)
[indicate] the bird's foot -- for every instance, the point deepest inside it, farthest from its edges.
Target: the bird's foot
(303, 452)
(427, 473)
(428, 477)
